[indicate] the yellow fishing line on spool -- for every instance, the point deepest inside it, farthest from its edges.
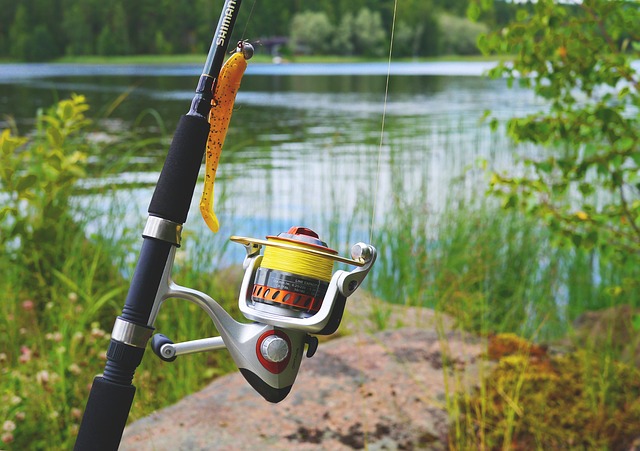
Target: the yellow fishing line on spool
(294, 262)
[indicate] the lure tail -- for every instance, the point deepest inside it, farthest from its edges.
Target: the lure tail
(222, 107)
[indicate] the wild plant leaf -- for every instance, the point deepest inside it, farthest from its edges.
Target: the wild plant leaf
(26, 182)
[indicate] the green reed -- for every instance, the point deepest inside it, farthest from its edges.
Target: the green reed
(494, 270)
(66, 271)
(497, 271)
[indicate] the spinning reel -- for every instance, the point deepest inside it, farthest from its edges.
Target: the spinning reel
(289, 292)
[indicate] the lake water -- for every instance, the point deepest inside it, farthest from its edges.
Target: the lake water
(304, 147)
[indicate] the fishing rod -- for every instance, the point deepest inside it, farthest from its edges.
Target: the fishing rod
(290, 293)
(112, 393)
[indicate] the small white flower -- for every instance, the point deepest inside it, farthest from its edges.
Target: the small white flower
(42, 377)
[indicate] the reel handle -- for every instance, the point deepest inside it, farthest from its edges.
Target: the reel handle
(157, 342)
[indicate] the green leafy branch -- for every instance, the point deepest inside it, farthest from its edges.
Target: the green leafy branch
(577, 58)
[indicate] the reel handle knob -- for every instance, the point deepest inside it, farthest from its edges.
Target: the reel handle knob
(157, 342)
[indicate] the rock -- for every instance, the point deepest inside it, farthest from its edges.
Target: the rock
(380, 391)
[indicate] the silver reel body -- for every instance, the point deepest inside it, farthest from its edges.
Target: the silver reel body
(268, 352)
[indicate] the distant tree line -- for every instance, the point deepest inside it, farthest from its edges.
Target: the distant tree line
(36, 30)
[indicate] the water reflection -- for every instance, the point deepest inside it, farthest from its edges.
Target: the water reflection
(304, 145)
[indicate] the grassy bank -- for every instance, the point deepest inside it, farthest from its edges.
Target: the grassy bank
(260, 59)
(494, 272)
(63, 289)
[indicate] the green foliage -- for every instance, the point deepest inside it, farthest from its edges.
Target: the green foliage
(360, 34)
(311, 32)
(343, 42)
(494, 271)
(37, 176)
(79, 32)
(579, 60)
(459, 35)
(46, 29)
(417, 29)
(51, 346)
(61, 292)
(19, 34)
(114, 37)
(368, 34)
(42, 170)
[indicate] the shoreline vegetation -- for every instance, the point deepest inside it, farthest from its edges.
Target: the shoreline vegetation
(257, 59)
(535, 261)
(483, 269)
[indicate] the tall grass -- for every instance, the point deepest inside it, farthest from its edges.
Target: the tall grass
(500, 272)
(62, 289)
(53, 346)
(495, 271)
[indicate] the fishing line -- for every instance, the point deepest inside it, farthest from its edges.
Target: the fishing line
(290, 277)
(244, 32)
(384, 116)
(296, 262)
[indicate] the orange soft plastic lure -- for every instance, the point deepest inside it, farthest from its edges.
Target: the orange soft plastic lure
(222, 106)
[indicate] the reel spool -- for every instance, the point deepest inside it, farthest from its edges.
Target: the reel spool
(293, 284)
(289, 282)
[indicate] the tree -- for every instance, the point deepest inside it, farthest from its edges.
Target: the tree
(420, 17)
(7, 15)
(19, 34)
(79, 35)
(114, 37)
(369, 35)
(311, 32)
(362, 34)
(42, 44)
(459, 35)
(578, 59)
(343, 42)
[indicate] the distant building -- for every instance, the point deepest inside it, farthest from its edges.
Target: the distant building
(273, 44)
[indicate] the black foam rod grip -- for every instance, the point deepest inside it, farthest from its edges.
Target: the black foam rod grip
(174, 191)
(105, 416)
